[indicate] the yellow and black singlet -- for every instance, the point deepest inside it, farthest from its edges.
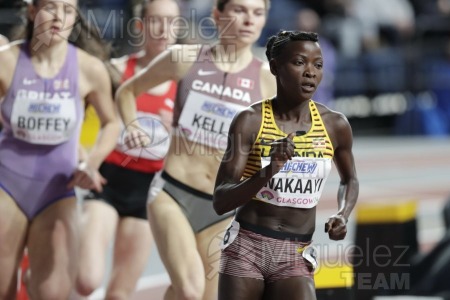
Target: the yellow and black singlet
(302, 179)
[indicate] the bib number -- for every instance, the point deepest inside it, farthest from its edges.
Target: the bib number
(155, 187)
(230, 234)
(310, 255)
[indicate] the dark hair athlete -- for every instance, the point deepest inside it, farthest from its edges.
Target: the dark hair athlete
(277, 161)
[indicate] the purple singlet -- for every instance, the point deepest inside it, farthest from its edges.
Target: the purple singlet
(41, 125)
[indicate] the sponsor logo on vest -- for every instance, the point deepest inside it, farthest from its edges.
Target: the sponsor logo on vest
(27, 81)
(34, 95)
(205, 73)
(299, 167)
(45, 108)
(267, 195)
(219, 110)
(221, 91)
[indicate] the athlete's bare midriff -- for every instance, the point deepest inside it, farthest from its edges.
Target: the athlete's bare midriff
(193, 164)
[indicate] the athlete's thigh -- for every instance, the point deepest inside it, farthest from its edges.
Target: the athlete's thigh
(174, 238)
(13, 228)
(131, 252)
(240, 288)
(98, 225)
(295, 288)
(208, 243)
(53, 242)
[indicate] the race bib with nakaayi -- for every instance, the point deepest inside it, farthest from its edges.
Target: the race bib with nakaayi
(298, 184)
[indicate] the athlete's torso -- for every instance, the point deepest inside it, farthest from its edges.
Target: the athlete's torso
(207, 101)
(41, 119)
(287, 202)
(301, 180)
(149, 108)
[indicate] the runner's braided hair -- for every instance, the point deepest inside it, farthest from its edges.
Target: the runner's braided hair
(276, 43)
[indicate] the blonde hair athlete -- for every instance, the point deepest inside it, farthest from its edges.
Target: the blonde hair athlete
(191, 255)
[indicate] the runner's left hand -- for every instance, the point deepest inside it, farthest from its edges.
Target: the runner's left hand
(86, 177)
(336, 227)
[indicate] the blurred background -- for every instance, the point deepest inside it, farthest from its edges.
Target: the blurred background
(387, 68)
(387, 62)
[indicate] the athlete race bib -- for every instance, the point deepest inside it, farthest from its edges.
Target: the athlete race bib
(156, 187)
(298, 184)
(230, 234)
(309, 253)
(206, 120)
(43, 118)
(159, 138)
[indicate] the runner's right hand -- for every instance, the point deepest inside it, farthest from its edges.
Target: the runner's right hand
(281, 151)
(136, 137)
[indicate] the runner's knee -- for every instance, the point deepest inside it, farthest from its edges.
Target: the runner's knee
(192, 289)
(87, 283)
(52, 290)
(118, 295)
